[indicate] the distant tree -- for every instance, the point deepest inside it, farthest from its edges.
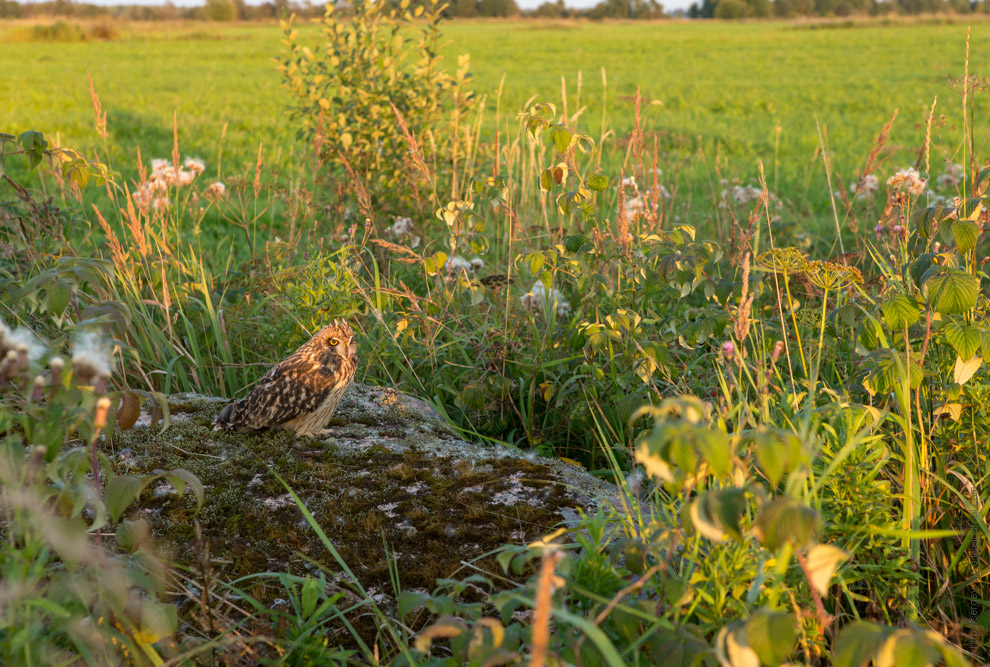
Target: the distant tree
(551, 10)
(9, 9)
(221, 10)
(464, 9)
(627, 9)
(759, 8)
(731, 9)
(706, 10)
(498, 8)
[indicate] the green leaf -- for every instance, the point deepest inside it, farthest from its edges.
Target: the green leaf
(901, 311)
(924, 220)
(546, 180)
(186, 477)
(121, 492)
(717, 513)
(598, 182)
(132, 534)
(953, 292)
(433, 264)
(784, 520)
(858, 643)
(965, 232)
(982, 177)
(561, 138)
(777, 452)
(965, 339)
(31, 140)
(907, 648)
(536, 261)
(771, 634)
(969, 209)
(59, 293)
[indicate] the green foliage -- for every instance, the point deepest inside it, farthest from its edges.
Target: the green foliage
(68, 596)
(370, 94)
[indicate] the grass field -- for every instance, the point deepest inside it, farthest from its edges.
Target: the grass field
(793, 407)
(744, 93)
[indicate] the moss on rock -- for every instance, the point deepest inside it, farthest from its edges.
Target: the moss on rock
(389, 472)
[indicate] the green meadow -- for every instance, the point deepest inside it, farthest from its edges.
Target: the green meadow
(738, 94)
(632, 249)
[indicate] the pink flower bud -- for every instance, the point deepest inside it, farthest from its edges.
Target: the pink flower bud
(728, 350)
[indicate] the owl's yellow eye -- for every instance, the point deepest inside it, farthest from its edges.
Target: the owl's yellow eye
(333, 341)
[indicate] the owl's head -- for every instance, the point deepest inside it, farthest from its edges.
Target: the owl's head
(337, 338)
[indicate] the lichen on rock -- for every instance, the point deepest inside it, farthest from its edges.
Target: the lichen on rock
(390, 471)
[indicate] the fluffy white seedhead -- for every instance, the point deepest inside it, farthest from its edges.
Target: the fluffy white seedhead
(23, 339)
(865, 186)
(908, 179)
(539, 296)
(216, 191)
(91, 357)
(195, 165)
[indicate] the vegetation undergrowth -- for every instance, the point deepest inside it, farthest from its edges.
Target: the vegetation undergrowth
(794, 423)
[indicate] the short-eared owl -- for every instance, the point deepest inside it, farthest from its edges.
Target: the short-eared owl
(302, 392)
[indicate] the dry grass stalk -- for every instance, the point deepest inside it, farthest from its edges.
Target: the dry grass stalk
(544, 607)
(116, 250)
(135, 227)
(415, 154)
(926, 147)
(873, 161)
(413, 258)
(257, 173)
(99, 115)
(741, 320)
(364, 199)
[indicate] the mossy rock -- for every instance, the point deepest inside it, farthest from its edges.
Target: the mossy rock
(390, 472)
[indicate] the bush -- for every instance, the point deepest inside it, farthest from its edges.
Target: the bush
(731, 9)
(369, 97)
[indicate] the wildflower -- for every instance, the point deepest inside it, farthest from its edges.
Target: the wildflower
(635, 207)
(952, 177)
(195, 165)
(477, 264)
(865, 186)
(831, 276)
(91, 359)
(783, 260)
(897, 229)
(216, 191)
(630, 182)
(728, 350)
(538, 296)
(159, 165)
(457, 264)
(24, 342)
(402, 230)
(909, 179)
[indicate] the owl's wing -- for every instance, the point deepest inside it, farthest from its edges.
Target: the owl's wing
(285, 392)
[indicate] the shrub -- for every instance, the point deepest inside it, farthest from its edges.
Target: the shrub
(370, 95)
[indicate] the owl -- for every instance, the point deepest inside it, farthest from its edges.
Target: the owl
(302, 392)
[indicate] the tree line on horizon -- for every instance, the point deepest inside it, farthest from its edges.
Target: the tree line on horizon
(239, 10)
